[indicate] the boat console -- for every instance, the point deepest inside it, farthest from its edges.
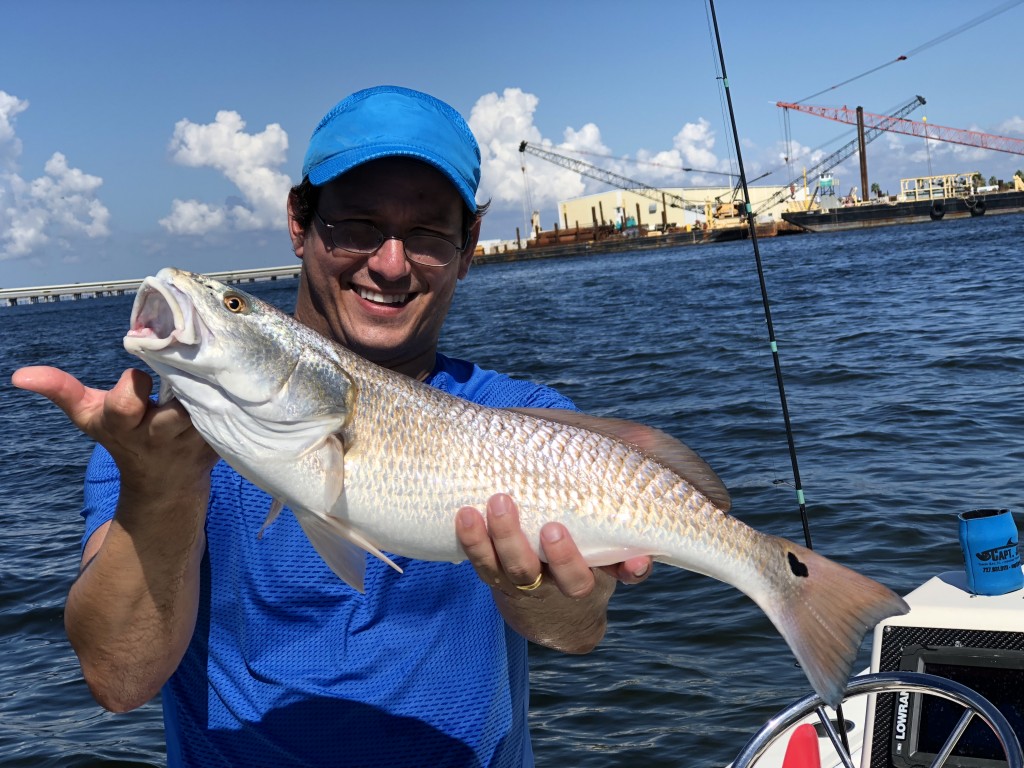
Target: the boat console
(975, 641)
(972, 639)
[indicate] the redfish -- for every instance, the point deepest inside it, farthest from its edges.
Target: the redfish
(370, 460)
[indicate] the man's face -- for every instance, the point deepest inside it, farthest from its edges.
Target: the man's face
(381, 305)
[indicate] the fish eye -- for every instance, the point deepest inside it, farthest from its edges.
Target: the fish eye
(236, 303)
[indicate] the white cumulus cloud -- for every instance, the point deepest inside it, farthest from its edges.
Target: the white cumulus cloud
(10, 145)
(502, 121)
(692, 147)
(190, 217)
(247, 160)
(1014, 125)
(54, 210)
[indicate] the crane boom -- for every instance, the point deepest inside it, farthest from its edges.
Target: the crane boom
(922, 129)
(610, 178)
(871, 133)
(880, 124)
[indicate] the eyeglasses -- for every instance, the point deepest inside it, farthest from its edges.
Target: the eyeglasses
(360, 237)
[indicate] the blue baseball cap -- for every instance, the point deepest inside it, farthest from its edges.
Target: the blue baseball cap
(390, 121)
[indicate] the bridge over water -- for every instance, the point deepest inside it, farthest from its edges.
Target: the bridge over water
(10, 297)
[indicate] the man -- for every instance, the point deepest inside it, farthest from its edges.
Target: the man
(262, 655)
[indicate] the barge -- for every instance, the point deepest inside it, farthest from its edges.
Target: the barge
(929, 198)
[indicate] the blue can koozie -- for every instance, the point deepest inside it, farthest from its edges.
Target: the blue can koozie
(988, 538)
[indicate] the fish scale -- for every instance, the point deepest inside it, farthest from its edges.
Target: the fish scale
(369, 460)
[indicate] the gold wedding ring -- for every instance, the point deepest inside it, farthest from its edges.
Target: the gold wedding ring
(534, 585)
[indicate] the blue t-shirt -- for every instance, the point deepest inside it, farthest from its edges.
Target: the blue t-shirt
(288, 666)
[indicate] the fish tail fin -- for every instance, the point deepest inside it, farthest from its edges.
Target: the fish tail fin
(823, 610)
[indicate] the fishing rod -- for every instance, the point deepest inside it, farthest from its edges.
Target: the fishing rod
(768, 319)
(751, 225)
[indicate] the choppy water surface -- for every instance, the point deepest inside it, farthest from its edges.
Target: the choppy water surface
(902, 352)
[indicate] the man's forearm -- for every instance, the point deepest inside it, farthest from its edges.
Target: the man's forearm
(131, 612)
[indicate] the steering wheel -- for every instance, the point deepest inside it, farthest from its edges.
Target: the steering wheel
(890, 682)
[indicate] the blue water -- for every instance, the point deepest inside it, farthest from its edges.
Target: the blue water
(903, 355)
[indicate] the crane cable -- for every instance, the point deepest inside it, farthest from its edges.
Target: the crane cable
(527, 201)
(805, 153)
(652, 163)
(923, 47)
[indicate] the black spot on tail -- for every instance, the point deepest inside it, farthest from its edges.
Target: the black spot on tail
(798, 568)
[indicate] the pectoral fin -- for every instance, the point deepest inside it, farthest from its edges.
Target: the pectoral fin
(653, 442)
(328, 459)
(328, 456)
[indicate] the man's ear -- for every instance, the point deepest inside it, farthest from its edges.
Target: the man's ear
(295, 230)
(467, 255)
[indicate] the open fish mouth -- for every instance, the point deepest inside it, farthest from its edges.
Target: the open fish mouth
(161, 316)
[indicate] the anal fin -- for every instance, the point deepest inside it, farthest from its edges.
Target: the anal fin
(275, 509)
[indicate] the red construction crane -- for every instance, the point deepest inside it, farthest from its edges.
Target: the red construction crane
(914, 128)
(863, 139)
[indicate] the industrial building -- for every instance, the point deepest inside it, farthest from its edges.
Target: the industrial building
(678, 208)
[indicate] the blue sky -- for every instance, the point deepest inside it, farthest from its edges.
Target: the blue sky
(137, 135)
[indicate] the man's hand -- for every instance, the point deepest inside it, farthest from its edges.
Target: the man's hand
(145, 440)
(131, 612)
(562, 603)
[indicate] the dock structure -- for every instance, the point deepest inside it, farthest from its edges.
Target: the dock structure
(10, 297)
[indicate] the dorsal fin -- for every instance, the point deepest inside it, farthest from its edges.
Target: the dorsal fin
(650, 441)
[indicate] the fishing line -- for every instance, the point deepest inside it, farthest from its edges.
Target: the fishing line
(721, 97)
(633, 161)
(773, 343)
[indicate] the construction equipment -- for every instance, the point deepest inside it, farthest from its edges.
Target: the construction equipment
(721, 211)
(847, 150)
(925, 130)
(613, 179)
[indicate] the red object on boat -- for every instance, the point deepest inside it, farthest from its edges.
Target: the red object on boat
(802, 750)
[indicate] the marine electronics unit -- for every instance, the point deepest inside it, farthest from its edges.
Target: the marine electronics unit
(975, 640)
